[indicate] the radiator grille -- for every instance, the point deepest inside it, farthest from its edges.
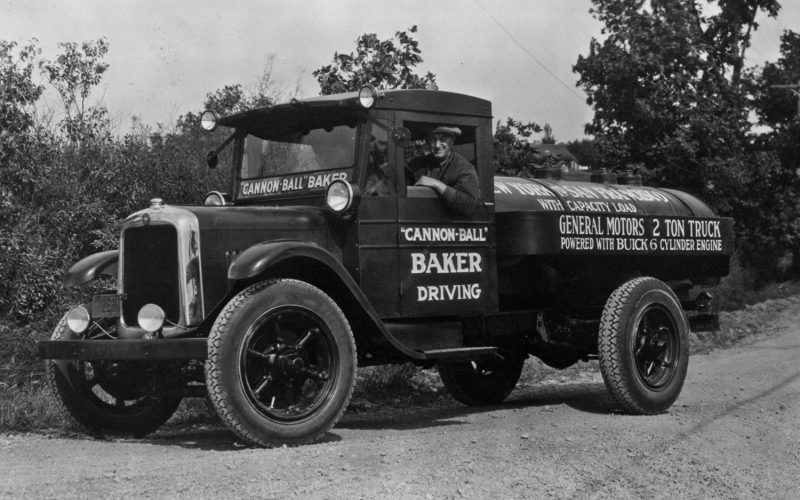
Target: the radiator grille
(150, 272)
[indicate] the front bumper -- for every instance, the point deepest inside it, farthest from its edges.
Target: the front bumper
(144, 350)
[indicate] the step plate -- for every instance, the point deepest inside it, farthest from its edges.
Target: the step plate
(460, 353)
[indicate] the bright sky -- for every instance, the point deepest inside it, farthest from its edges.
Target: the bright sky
(165, 56)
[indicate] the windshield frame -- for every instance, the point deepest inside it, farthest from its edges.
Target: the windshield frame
(293, 185)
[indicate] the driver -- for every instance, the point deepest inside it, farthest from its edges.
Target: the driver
(447, 172)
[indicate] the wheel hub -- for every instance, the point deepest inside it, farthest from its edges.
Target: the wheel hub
(655, 345)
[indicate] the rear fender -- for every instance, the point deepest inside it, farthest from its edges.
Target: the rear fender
(91, 267)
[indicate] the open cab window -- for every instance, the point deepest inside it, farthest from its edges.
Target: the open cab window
(420, 131)
(464, 145)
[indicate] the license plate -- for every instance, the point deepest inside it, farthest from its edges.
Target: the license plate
(106, 306)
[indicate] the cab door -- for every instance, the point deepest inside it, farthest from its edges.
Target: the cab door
(446, 262)
(375, 238)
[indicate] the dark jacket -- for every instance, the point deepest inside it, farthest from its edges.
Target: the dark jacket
(461, 195)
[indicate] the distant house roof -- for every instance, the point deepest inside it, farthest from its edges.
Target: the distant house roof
(557, 151)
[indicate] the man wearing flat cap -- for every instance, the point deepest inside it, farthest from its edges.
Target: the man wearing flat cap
(450, 174)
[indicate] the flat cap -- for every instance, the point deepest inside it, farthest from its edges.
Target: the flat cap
(454, 131)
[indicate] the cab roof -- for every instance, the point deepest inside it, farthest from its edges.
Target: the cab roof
(331, 106)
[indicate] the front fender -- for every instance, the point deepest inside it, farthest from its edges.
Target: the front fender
(261, 257)
(89, 268)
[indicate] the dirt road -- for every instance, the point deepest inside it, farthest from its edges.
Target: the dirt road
(733, 433)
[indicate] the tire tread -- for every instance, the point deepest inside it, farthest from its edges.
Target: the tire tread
(213, 368)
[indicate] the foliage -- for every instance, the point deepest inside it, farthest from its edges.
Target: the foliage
(665, 87)
(670, 92)
(384, 64)
(584, 152)
(74, 73)
(18, 93)
(548, 137)
(778, 107)
(769, 211)
(64, 191)
(513, 151)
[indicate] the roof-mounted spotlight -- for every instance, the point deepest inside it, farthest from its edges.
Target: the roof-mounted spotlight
(208, 120)
(367, 96)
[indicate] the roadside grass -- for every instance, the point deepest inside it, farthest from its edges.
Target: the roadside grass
(30, 407)
(26, 404)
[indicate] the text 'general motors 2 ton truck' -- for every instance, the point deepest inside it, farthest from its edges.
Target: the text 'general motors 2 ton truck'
(322, 258)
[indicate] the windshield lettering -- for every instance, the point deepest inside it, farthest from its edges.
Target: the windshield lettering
(290, 184)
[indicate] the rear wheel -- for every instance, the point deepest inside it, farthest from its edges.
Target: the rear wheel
(281, 363)
(482, 382)
(105, 396)
(643, 346)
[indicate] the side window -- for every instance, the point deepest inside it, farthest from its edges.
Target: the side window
(379, 176)
(418, 145)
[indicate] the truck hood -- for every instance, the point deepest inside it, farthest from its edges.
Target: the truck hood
(225, 232)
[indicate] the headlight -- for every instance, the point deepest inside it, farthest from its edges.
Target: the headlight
(339, 196)
(215, 199)
(367, 96)
(151, 318)
(78, 319)
(208, 120)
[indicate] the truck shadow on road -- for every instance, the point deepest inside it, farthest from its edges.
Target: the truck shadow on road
(400, 414)
(585, 397)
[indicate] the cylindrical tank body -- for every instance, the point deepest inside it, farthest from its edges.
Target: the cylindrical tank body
(665, 230)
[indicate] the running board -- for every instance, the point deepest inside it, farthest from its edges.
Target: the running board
(460, 353)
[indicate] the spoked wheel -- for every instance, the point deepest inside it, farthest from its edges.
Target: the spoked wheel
(481, 382)
(656, 347)
(106, 396)
(286, 360)
(281, 364)
(643, 346)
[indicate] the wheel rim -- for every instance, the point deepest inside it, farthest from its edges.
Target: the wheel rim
(656, 345)
(288, 364)
(108, 394)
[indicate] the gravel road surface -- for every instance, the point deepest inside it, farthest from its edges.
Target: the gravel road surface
(733, 433)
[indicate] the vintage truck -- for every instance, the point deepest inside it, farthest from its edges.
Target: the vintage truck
(321, 258)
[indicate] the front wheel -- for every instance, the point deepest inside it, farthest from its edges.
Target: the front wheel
(281, 363)
(103, 395)
(482, 382)
(643, 346)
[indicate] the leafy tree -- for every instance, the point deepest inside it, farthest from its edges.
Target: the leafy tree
(778, 108)
(584, 152)
(548, 138)
(384, 64)
(769, 214)
(665, 84)
(513, 152)
(671, 92)
(18, 95)
(18, 92)
(74, 73)
(265, 91)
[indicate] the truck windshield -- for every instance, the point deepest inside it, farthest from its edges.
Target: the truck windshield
(307, 151)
